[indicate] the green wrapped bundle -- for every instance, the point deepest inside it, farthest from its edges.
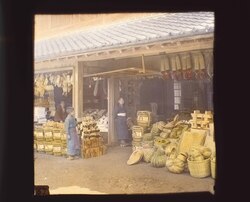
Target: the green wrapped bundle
(147, 137)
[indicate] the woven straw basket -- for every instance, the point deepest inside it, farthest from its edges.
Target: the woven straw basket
(199, 169)
(213, 171)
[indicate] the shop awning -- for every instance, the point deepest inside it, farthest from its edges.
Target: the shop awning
(159, 27)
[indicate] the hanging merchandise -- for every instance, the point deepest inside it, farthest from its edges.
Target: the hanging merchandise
(58, 81)
(104, 86)
(120, 86)
(96, 87)
(165, 67)
(173, 67)
(178, 68)
(186, 66)
(202, 72)
(208, 56)
(64, 86)
(199, 65)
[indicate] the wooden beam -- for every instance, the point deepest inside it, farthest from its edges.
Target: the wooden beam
(110, 72)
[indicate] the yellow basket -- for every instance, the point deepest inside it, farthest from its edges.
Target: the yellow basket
(63, 136)
(213, 169)
(199, 169)
(39, 135)
(137, 131)
(144, 118)
(48, 147)
(57, 135)
(35, 147)
(48, 134)
(40, 147)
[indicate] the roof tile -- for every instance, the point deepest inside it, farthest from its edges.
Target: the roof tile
(145, 30)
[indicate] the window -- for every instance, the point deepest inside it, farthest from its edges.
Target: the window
(177, 95)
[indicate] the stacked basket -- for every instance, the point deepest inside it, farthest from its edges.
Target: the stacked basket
(48, 144)
(137, 134)
(144, 119)
(213, 166)
(57, 142)
(199, 162)
(39, 137)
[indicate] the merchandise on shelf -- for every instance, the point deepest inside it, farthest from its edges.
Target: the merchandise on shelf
(92, 140)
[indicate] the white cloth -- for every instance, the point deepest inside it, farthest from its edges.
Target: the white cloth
(121, 114)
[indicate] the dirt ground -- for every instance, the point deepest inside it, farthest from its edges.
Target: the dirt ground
(109, 174)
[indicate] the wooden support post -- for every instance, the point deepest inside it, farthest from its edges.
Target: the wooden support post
(112, 99)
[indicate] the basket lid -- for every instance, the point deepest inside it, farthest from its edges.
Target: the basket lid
(135, 157)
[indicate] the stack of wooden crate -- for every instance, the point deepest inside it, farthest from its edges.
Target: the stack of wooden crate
(93, 147)
(39, 140)
(92, 140)
(200, 120)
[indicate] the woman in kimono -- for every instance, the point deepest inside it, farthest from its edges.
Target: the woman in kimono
(121, 124)
(73, 141)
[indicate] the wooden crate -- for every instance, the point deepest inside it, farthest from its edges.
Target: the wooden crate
(94, 151)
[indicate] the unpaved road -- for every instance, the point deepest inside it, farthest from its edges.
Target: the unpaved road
(109, 174)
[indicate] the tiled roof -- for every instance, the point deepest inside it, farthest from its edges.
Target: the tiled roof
(159, 27)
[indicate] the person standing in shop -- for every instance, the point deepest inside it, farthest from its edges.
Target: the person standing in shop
(61, 113)
(121, 124)
(73, 141)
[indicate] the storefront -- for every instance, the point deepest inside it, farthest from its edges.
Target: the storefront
(165, 69)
